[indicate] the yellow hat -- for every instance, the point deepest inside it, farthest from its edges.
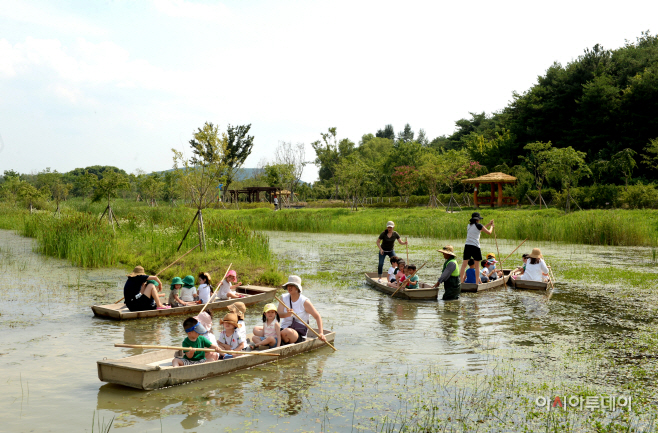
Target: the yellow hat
(269, 307)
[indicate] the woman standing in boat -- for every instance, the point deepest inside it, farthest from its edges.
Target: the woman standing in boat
(386, 245)
(293, 331)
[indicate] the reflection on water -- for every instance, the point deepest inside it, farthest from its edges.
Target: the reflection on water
(48, 355)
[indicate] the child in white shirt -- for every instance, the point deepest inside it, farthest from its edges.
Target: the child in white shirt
(205, 287)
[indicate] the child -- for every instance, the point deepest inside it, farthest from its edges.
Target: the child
(194, 341)
(393, 269)
(174, 299)
(148, 297)
(491, 266)
(205, 319)
(399, 275)
(469, 278)
(521, 269)
(188, 292)
(412, 278)
(472, 247)
(484, 272)
(229, 339)
(226, 290)
(205, 287)
(238, 308)
(270, 333)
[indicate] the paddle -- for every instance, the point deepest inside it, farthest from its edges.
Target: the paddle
(300, 319)
(187, 349)
(177, 260)
(415, 272)
(551, 276)
(496, 239)
(216, 291)
(501, 263)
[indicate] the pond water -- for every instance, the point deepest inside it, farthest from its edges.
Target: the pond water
(478, 361)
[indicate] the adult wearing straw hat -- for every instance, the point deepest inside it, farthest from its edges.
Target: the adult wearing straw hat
(449, 275)
(386, 244)
(535, 268)
(292, 331)
(133, 287)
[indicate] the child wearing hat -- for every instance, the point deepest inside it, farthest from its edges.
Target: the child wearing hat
(194, 340)
(535, 268)
(229, 338)
(270, 333)
(239, 309)
(188, 292)
(205, 319)
(472, 244)
(174, 296)
(226, 289)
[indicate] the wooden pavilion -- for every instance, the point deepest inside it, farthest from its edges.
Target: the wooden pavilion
(494, 199)
(253, 193)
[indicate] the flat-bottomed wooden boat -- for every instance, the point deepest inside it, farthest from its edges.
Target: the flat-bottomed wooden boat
(528, 285)
(153, 370)
(501, 282)
(255, 294)
(425, 291)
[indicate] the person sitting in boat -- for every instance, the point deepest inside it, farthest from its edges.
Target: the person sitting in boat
(226, 289)
(205, 287)
(449, 275)
(188, 293)
(484, 272)
(292, 330)
(535, 269)
(194, 340)
(230, 338)
(521, 269)
(270, 333)
(472, 247)
(133, 287)
(400, 275)
(411, 282)
(469, 277)
(148, 297)
(386, 244)
(205, 319)
(174, 295)
(240, 309)
(393, 269)
(491, 272)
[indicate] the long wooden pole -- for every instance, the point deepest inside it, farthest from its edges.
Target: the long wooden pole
(501, 263)
(406, 241)
(300, 319)
(217, 290)
(176, 261)
(187, 349)
(496, 239)
(551, 276)
(408, 280)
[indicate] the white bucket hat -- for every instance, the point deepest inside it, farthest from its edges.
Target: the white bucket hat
(390, 224)
(294, 280)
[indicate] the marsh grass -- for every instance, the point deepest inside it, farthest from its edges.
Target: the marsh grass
(597, 227)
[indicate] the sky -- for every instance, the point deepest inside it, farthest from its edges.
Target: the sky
(123, 82)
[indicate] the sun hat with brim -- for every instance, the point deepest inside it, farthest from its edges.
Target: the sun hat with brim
(476, 215)
(535, 254)
(137, 271)
(176, 280)
(492, 255)
(448, 249)
(238, 308)
(188, 281)
(155, 283)
(231, 318)
(232, 273)
(269, 307)
(204, 319)
(390, 224)
(294, 280)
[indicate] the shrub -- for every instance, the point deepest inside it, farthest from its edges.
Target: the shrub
(638, 197)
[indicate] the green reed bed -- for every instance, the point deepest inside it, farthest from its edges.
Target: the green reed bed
(598, 227)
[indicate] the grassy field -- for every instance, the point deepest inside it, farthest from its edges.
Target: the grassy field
(596, 227)
(149, 237)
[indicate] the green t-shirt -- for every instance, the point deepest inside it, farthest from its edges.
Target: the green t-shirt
(200, 342)
(413, 282)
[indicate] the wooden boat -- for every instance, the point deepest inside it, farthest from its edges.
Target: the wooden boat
(153, 370)
(255, 294)
(423, 293)
(501, 282)
(528, 285)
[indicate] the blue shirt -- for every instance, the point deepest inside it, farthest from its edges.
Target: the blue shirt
(470, 276)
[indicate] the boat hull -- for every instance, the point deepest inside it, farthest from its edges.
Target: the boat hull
(153, 370)
(528, 285)
(425, 293)
(501, 282)
(255, 295)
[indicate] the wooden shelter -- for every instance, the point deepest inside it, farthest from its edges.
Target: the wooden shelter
(494, 199)
(253, 193)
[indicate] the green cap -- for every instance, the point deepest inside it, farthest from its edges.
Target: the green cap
(176, 280)
(155, 283)
(188, 281)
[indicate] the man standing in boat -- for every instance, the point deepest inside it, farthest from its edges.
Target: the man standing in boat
(386, 244)
(449, 275)
(292, 330)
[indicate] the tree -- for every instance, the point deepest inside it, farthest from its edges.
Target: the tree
(29, 194)
(624, 161)
(422, 138)
(650, 158)
(60, 192)
(387, 132)
(292, 157)
(327, 156)
(536, 161)
(85, 183)
(171, 186)
(354, 174)
(490, 152)
(430, 175)
(454, 166)
(238, 147)
(108, 188)
(407, 135)
(150, 187)
(202, 173)
(406, 179)
(567, 166)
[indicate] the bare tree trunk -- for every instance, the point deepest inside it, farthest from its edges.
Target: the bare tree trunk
(202, 232)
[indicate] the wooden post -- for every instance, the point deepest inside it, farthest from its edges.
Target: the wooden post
(492, 194)
(500, 194)
(475, 195)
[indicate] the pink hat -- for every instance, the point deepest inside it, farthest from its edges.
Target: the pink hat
(232, 273)
(205, 320)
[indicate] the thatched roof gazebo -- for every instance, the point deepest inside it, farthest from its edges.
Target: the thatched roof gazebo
(492, 179)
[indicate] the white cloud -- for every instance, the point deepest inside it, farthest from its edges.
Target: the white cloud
(43, 15)
(196, 11)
